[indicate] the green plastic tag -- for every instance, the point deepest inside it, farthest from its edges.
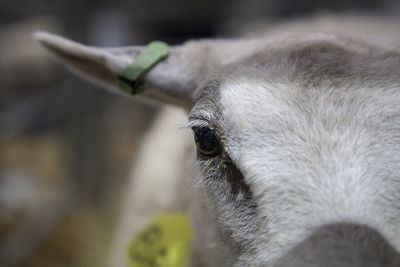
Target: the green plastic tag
(131, 79)
(165, 242)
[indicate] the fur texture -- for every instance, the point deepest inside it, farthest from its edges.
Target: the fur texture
(308, 119)
(312, 125)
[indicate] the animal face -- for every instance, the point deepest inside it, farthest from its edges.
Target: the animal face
(301, 148)
(298, 145)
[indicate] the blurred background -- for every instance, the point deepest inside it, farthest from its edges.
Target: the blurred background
(66, 147)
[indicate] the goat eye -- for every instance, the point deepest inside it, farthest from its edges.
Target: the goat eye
(206, 141)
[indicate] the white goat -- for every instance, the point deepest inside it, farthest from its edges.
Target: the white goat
(298, 140)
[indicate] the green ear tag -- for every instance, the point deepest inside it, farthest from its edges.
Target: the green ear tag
(130, 80)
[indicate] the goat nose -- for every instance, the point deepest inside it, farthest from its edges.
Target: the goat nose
(341, 245)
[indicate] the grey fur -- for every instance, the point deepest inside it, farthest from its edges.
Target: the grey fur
(309, 124)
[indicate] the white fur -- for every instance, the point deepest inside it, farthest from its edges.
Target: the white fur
(306, 174)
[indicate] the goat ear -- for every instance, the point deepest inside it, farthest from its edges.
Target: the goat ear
(173, 80)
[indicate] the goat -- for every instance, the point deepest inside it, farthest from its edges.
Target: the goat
(297, 135)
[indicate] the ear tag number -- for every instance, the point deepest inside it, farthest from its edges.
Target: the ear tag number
(130, 80)
(164, 242)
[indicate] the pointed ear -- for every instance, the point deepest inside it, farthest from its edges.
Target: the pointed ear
(172, 80)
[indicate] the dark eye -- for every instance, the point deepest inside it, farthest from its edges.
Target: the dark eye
(206, 141)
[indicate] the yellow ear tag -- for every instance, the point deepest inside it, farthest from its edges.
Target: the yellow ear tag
(164, 242)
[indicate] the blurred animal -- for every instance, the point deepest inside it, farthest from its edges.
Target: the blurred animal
(297, 135)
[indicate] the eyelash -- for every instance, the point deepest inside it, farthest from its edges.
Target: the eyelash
(196, 123)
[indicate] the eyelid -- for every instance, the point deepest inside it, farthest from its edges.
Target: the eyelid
(193, 123)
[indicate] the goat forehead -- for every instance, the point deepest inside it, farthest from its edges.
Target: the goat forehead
(277, 127)
(282, 92)
(308, 61)
(305, 61)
